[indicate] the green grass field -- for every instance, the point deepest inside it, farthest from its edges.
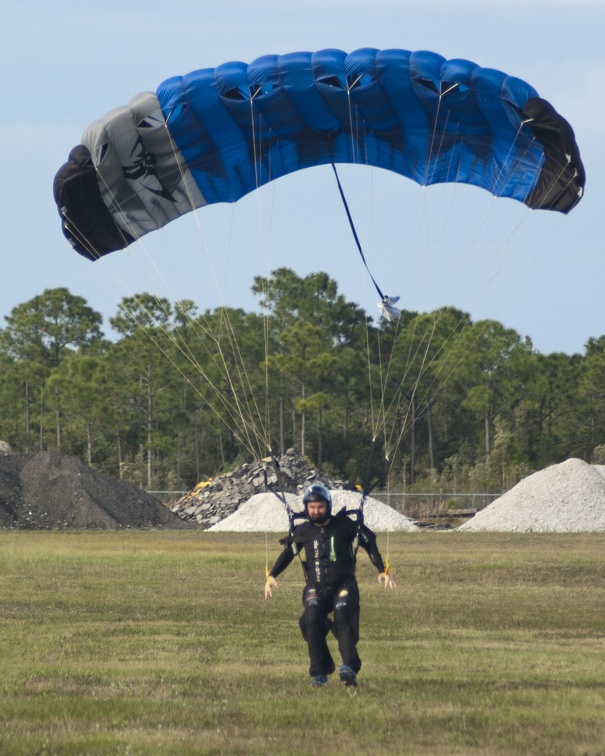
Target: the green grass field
(160, 642)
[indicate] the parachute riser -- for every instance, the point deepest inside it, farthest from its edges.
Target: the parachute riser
(292, 516)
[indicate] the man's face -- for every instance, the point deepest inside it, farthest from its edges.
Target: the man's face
(317, 509)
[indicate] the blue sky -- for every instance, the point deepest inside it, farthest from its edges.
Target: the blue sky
(539, 273)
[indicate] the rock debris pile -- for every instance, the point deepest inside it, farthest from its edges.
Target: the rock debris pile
(564, 498)
(52, 490)
(264, 512)
(212, 501)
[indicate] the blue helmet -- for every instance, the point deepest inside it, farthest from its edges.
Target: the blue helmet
(318, 492)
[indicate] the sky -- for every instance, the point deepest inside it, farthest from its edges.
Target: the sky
(542, 274)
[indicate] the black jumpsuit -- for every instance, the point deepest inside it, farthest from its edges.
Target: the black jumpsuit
(329, 565)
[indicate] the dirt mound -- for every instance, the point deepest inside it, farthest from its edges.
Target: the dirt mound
(48, 490)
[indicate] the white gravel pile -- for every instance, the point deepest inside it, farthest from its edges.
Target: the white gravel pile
(565, 498)
(265, 513)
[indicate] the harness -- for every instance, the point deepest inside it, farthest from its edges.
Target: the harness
(357, 514)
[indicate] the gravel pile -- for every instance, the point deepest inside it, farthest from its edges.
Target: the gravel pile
(265, 513)
(564, 498)
(51, 490)
(212, 501)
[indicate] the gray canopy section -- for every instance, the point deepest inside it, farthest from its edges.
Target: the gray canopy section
(129, 142)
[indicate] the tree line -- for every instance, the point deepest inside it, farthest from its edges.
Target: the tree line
(433, 402)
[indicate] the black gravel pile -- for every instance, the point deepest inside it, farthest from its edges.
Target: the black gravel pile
(52, 490)
(211, 501)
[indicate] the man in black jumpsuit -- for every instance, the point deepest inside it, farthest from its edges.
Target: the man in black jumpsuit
(329, 544)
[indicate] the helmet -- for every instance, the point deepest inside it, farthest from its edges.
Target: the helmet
(318, 492)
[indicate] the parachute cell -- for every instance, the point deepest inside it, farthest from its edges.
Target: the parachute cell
(215, 135)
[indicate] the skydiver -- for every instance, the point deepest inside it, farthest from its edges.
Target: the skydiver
(329, 544)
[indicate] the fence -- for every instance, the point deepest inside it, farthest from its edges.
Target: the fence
(426, 505)
(417, 505)
(167, 497)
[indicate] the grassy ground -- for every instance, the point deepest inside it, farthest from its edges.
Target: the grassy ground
(161, 642)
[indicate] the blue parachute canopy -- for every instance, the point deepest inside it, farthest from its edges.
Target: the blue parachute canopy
(216, 134)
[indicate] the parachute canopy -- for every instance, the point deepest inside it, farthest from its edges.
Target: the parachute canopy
(216, 134)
